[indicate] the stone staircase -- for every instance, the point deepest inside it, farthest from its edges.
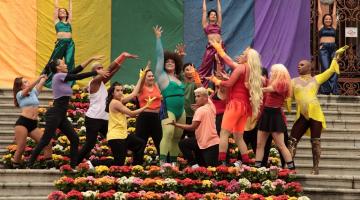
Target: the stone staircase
(339, 165)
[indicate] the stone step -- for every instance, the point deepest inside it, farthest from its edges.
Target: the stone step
(24, 198)
(338, 169)
(5, 143)
(2, 152)
(26, 175)
(10, 108)
(334, 123)
(44, 100)
(329, 150)
(333, 132)
(28, 188)
(328, 159)
(329, 181)
(339, 99)
(333, 141)
(334, 114)
(317, 193)
(9, 92)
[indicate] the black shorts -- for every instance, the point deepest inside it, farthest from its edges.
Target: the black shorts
(29, 124)
(272, 120)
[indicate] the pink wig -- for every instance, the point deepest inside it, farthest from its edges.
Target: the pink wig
(280, 79)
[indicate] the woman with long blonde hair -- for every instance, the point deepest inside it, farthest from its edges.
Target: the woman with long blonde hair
(244, 97)
(271, 120)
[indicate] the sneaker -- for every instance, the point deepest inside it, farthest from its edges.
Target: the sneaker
(195, 166)
(238, 163)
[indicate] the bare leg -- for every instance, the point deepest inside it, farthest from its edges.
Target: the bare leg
(20, 139)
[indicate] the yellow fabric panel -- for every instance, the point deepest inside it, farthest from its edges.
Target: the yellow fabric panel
(18, 40)
(91, 31)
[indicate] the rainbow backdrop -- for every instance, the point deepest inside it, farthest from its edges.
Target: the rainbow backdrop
(108, 27)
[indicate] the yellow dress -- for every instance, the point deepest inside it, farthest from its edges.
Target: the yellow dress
(305, 89)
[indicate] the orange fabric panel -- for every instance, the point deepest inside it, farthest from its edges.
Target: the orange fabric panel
(18, 40)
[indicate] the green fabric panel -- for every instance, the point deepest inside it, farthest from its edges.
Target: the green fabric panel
(131, 31)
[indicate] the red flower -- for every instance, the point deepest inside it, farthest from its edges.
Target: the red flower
(244, 196)
(106, 195)
(65, 168)
(256, 186)
(56, 195)
(74, 194)
(257, 197)
(83, 166)
(193, 196)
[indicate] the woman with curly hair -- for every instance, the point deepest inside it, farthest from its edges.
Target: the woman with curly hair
(271, 120)
(244, 97)
(168, 68)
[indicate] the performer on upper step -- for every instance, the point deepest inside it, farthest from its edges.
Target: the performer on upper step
(64, 45)
(309, 116)
(327, 33)
(56, 117)
(244, 98)
(26, 97)
(211, 23)
(96, 119)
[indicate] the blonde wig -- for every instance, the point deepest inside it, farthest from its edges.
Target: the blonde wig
(280, 79)
(255, 81)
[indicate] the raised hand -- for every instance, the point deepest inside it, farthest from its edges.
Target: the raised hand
(142, 71)
(158, 31)
(149, 101)
(180, 49)
(97, 58)
(129, 55)
(43, 76)
(171, 123)
(103, 73)
(213, 79)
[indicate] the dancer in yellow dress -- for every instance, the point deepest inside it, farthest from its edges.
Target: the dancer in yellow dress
(309, 116)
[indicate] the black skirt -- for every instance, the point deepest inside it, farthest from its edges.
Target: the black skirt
(272, 120)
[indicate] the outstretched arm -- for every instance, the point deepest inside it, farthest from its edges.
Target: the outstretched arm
(159, 70)
(204, 20)
(219, 17)
(41, 83)
(84, 64)
(56, 11)
(320, 16)
(28, 89)
(189, 127)
(334, 25)
(321, 78)
(132, 113)
(233, 77)
(221, 52)
(70, 11)
(134, 93)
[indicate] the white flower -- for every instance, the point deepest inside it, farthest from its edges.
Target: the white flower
(262, 170)
(233, 196)
(303, 198)
(58, 147)
(89, 194)
(244, 183)
(81, 119)
(83, 128)
(120, 196)
(69, 118)
(267, 185)
(170, 182)
(122, 180)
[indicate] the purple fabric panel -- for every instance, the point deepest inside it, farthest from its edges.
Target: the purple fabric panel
(282, 32)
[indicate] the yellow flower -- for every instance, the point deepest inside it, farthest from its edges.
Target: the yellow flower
(269, 198)
(292, 198)
(56, 157)
(211, 169)
(83, 95)
(7, 156)
(206, 183)
(221, 195)
(76, 87)
(159, 182)
(82, 139)
(138, 168)
(131, 119)
(104, 147)
(101, 169)
(131, 129)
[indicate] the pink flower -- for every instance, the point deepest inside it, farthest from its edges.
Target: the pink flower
(57, 195)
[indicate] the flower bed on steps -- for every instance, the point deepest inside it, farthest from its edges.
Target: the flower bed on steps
(168, 182)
